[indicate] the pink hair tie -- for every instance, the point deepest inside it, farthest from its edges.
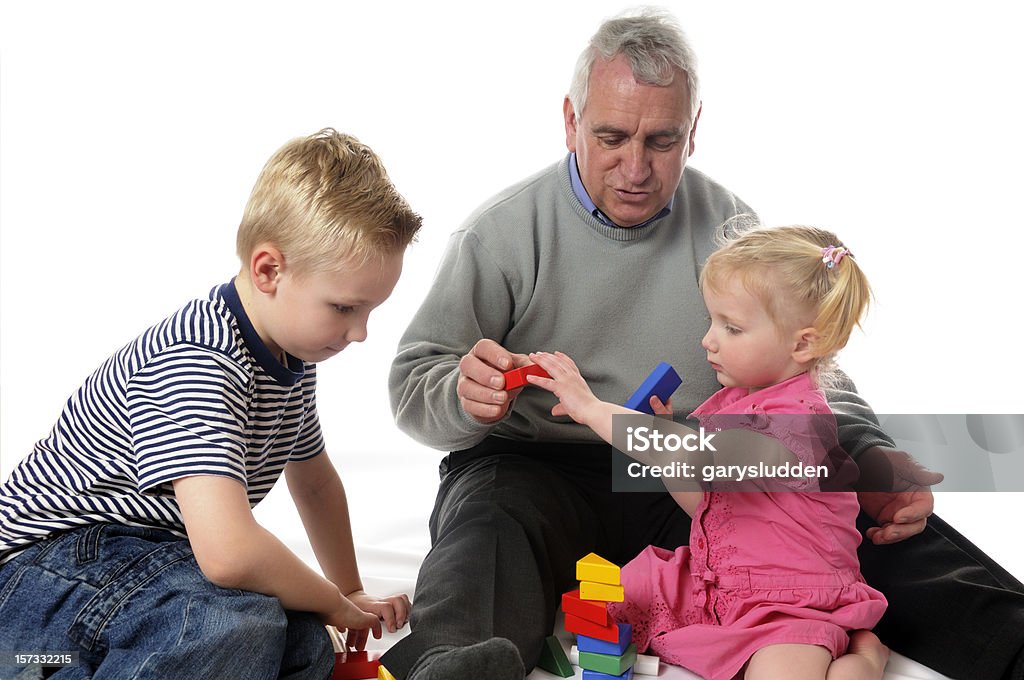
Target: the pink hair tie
(833, 255)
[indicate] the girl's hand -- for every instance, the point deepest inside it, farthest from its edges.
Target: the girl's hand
(576, 400)
(347, 616)
(393, 610)
(661, 409)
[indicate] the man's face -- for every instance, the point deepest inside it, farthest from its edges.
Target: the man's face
(631, 141)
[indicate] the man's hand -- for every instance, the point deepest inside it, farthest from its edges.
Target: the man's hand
(896, 494)
(481, 386)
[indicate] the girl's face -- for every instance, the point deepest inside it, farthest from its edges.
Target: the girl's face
(745, 347)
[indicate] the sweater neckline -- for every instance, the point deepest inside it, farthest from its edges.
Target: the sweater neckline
(624, 234)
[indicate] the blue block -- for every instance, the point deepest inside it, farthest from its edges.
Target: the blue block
(662, 381)
(588, 644)
(597, 675)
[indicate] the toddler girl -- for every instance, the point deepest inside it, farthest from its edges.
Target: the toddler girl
(770, 585)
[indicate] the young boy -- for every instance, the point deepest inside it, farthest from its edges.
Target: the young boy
(127, 535)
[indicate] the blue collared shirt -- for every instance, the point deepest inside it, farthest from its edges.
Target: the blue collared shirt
(584, 197)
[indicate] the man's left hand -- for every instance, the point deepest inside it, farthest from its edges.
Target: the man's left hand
(901, 510)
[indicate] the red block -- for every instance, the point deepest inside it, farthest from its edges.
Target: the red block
(354, 666)
(575, 624)
(517, 376)
(591, 610)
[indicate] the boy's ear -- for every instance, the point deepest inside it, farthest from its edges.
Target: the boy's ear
(806, 340)
(265, 266)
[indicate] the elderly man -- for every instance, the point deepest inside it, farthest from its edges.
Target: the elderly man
(598, 255)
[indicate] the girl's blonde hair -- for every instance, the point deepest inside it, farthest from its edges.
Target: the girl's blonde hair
(799, 281)
(325, 201)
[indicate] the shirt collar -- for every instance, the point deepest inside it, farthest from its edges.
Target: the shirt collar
(586, 202)
(284, 375)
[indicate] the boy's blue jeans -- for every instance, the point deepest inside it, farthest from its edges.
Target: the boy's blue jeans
(134, 604)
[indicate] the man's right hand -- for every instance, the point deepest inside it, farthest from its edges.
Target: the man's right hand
(481, 386)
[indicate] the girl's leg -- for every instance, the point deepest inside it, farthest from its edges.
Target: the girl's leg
(864, 660)
(790, 661)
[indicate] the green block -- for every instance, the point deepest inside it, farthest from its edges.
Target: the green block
(608, 664)
(554, 660)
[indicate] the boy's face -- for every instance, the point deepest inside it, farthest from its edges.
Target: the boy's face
(315, 316)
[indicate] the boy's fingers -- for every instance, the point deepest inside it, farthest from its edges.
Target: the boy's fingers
(388, 615)
(402, 608)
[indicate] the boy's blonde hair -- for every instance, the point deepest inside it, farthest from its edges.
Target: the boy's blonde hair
(784, 268)
(323, 201)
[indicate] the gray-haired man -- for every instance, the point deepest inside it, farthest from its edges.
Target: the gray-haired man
(598, 256)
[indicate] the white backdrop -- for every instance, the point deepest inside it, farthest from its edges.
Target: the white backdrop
(130, 136)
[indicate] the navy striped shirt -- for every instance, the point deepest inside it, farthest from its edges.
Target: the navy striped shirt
(197, 394)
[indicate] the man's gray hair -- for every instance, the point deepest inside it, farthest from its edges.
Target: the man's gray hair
(655, 46)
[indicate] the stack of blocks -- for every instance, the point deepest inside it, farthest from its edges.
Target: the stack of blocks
(605, 648)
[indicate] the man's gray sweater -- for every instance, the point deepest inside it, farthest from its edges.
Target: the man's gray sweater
(532, 270)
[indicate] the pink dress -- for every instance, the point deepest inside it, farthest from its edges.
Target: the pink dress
(761, 568)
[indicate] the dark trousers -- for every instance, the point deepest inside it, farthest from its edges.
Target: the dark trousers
(511, 519)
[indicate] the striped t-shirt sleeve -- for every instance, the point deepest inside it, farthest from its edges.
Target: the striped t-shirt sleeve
(310, 441)
(187, 413)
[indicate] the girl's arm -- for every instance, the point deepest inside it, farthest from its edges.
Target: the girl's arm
(733, 447)
(320, 498)
(234, 551)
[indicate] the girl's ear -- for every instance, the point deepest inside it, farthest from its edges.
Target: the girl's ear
(806, 340)
(265, 266)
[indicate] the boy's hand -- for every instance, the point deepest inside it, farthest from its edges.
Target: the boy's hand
(393, 610)
(576, 400)
(358, 623)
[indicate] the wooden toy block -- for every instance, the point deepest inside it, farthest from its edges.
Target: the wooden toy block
(554, 660)
(585, 609)
(597, 675)
(597, 569)
(601, 592)
(606, 663)
(645, 664)
(517, 376)
(615, 647)
(575, 624)
(383, 674)
(662, 382)
(355, 666)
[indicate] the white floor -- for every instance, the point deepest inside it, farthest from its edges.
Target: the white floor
(390, 528)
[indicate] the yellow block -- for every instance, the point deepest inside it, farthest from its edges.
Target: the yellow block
(601, 591)
(597, 569)
(384, 674)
